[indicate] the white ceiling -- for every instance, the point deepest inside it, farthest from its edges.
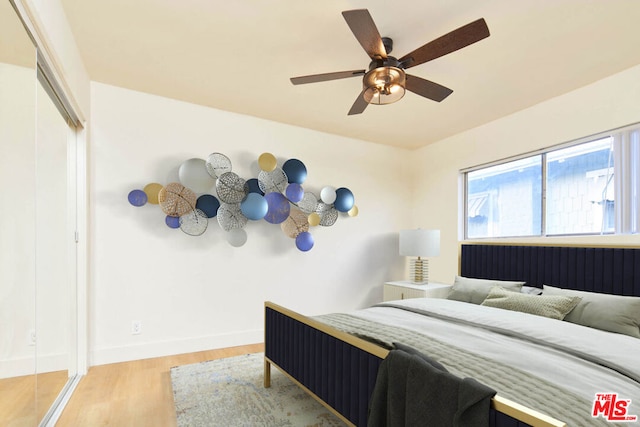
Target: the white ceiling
(239, 56)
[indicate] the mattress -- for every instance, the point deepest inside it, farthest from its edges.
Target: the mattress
(551, 365)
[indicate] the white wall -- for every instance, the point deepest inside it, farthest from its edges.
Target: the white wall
(195, 293)
(607, 104)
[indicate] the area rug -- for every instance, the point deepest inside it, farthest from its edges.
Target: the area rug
(230, 392)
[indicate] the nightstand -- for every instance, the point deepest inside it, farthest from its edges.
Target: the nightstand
(403, 290)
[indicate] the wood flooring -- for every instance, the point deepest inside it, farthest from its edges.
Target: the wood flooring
(23, 404)
(136, 393)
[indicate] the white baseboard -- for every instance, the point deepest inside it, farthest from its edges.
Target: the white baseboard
(167, 348)
(17, 367)
(28, 365)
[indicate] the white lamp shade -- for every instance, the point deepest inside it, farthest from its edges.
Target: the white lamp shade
(420, 242)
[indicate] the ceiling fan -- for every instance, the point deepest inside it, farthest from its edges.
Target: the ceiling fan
(385, 81)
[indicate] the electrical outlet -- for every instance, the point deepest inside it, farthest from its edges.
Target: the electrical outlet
(31, 339)
(136, 327)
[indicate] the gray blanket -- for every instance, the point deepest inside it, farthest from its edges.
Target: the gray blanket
(413, 390)
(511, 383)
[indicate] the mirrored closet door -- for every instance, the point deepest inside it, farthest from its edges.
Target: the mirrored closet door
(55, 249)
(18, 84)
(38, 337)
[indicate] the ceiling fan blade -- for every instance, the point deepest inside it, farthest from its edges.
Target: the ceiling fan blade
(450, 42)
(427, 88)
(359, 106)
(365, 30)
(326, 77)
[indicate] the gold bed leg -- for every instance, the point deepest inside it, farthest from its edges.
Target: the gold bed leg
(267, 373)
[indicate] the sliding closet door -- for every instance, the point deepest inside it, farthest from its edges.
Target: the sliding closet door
(18, 85)
(55, 269)
(38, 215)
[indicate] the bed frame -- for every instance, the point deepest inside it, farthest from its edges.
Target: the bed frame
(339, 370)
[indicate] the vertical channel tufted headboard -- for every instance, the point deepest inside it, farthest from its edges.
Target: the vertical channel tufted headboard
(595, 269)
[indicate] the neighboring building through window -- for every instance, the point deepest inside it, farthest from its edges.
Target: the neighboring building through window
(504, 200)
(580, 189)
(566, 190)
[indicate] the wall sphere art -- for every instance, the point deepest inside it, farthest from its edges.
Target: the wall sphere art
(328, 195)
(313, 219)
(254, 206)
(304, 241)
(296, 171)
(137, 198)
(210, 189)
(344, 199)
(172, 221)
(193, 174)
(278, 208)
(267, 162)
(176, 200)
(208, 204)
(237, 237)
(294, 192)
(252, 186)
(152, 190)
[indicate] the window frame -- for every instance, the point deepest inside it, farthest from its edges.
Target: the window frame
(626, 161)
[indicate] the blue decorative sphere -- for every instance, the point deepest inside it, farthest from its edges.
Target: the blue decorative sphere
(172, 221)
(294, 192)
(344, 199)
(208, 204)
(137, 198)
(254, 206)
(252, 186)
(304, 241)
(295, 170)
(279, 208)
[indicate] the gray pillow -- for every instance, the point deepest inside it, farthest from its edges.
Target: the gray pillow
(472, 290)
(613, 313)
(553, 306)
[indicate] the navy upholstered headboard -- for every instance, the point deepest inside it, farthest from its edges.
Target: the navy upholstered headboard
(607, 270)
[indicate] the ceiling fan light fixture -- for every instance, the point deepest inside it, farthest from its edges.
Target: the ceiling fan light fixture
(384, 85)
(385, 81)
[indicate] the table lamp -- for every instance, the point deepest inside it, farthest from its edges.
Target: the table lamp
(419, 243)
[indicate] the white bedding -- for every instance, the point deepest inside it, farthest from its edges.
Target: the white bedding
(583, 377)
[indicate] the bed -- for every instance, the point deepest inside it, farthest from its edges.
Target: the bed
(546, 371)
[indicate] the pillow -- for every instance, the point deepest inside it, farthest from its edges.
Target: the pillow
(531, 290)
(471, 290)
(553, 306)
(613, 313)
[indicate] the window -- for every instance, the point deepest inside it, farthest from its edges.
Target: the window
(504, 200)
(580, 189)
(586, 187)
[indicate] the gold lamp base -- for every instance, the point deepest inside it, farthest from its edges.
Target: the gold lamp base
(419, 269)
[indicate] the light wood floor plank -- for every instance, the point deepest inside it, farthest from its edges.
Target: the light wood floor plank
(25, 400)
(136, 393)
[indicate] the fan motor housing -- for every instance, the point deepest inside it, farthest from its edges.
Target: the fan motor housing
(388, 44)
(389, 61)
